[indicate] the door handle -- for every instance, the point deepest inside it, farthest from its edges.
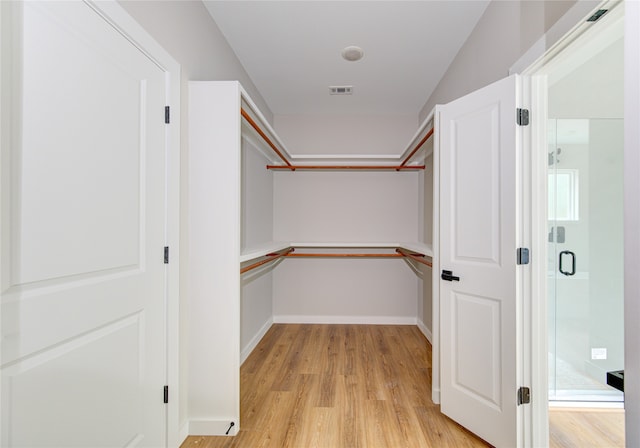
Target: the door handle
(448, 276)
(573, 262)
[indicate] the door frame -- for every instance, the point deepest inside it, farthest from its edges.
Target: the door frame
(632, 222)
(534, 430)
(570, 27)
(115, 15)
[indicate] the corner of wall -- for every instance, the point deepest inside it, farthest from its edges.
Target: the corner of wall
(252, 344)
(425, 331)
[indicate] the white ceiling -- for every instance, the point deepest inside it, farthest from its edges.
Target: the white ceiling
(292, 50)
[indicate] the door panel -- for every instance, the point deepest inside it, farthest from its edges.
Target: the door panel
(42, 384)
(478, 164)
(83, 330)
(82, 122)
(476, 176)
(476, 321)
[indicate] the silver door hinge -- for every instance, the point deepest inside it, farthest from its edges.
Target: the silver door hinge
(522, 255)
(524, 396)
(167, 114)
(522, 117)
(166, 254)
(166, 394)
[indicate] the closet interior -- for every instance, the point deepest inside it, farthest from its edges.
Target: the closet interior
(281, 239)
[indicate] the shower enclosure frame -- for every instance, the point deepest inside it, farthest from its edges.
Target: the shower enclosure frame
(585, 263)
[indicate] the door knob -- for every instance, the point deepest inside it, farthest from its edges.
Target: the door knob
(448, 276)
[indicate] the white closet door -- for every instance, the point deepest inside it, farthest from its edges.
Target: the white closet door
(478, 312)
(83, 229)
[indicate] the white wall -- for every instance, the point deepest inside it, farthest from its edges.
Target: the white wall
(346, 134)
(257, 198)
(425, 311)
(188, 32)
(505, 32)
(256, 298)
(351, 290)
(346, 207)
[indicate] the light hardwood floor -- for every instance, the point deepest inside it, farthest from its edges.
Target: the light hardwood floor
(368, 386)
(340, 386)
(586, 428)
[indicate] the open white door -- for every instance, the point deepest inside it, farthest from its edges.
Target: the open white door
(84, 188)
(478, 243)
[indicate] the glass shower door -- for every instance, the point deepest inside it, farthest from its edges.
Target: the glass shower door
(585, 258)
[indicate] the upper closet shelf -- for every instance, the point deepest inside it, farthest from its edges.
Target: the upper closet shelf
(262, 250)
(255, 125)
(333, 245)
(266, 249)
(421, 248)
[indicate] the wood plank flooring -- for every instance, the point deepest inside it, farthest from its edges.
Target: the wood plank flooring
(340, 386)
(368, 386)
(586, 428)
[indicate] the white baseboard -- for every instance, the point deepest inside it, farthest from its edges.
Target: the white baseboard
(244, 354)
(212, 427)
(366, 320)
(183, 433)
(435, 395)
(425, 331)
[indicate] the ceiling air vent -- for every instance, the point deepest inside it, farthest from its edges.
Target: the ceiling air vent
(340, 90)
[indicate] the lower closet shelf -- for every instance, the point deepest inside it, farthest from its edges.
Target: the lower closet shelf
(268, 253)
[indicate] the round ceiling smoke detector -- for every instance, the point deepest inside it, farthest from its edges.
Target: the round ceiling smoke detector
(352, 53)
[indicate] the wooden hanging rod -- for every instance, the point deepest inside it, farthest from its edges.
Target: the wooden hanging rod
(314, 255)
(345, 167)
(270, 257)
(401, 253)
(418, 146)
(264, 136)
(416, 257)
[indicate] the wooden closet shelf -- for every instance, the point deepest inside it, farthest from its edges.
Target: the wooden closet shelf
(289, 166)
(418, 146)
(345, 167)
(255, 126)
(311, 255)
(270, 257)
(415, 257)
(258, 251)
(289, 252)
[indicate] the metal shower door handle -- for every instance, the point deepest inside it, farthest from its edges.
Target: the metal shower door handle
(573, 262)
